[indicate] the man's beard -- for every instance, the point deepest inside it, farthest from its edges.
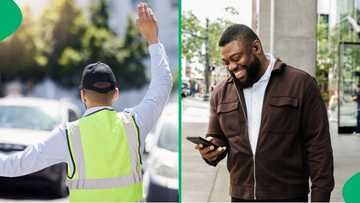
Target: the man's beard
(252, 73)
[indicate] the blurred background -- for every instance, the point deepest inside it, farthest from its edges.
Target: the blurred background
(40, 71)
(322, 37)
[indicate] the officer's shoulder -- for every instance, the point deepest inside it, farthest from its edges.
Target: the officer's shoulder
(125, 116)
(75, 122)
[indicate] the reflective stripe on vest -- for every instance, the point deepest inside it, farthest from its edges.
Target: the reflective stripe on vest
(80, 181)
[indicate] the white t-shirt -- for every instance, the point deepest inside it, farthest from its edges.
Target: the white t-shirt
(254, 98)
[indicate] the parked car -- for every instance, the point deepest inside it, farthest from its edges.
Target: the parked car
(161, 175)
(185, 90)
(26, 121)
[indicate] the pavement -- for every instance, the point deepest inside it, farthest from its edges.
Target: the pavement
(204, 183)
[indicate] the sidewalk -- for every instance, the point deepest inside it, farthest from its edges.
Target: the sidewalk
(203, 183)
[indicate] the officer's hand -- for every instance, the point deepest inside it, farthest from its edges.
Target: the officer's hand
(147, 24)
(210, 153)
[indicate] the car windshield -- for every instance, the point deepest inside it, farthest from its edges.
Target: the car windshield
(169, 137)
(27, 118)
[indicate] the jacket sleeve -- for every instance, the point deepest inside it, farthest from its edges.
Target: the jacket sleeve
(317, 142)
(214, 130)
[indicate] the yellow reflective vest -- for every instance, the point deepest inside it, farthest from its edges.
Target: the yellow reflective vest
(105, 150)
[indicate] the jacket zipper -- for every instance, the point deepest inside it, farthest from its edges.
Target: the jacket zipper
(253, 156)
(254, 179)
(242, 107)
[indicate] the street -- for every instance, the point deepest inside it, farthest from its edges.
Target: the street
(201, 182)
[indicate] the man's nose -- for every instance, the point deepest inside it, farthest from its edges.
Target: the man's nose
(233, 66)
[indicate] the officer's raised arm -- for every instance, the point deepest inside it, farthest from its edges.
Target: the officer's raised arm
(148, 111)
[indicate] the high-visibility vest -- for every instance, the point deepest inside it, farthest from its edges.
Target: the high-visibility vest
(105, 151)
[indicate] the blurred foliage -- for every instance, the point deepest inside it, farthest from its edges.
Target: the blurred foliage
(328, 40)
(64, 25)
(325, 56)
(123, 55)
(20, 55)
(193, 38)
(63, 41)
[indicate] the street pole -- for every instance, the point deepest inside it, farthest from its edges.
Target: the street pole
(207, 67)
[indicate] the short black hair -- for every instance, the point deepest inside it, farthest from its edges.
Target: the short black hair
(238, 32)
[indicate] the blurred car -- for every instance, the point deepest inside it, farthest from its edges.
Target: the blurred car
(161, 175)
(185, 90)
(26, 121)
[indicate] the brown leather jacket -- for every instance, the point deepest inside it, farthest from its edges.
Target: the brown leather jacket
(293, 145)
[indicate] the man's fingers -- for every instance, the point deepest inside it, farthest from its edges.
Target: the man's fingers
(212, 140)
(150, 11)
(215, 153)
(139, 8)
(206, 150)
(151, 15)
(209, 138)
(141, 11)
(146, 11)
(147, 24)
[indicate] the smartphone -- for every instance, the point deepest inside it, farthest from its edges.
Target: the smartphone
(200, 140)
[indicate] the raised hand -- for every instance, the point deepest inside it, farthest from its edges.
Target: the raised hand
(147, 24)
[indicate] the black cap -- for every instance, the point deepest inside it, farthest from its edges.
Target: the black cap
(98, 77)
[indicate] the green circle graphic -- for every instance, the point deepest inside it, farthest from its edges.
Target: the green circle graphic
(10, 18)
(351, 189)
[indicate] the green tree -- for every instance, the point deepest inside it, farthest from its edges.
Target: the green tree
(20, 54)
(124, 56)
(327, 52)
(191, 29)
(131, 71)
(100, 15)
(193, 38)
(63, 41)
(324, 56)
(63, 26)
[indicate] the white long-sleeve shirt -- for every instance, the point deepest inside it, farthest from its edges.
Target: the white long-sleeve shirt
(254, 98)
(55, 150)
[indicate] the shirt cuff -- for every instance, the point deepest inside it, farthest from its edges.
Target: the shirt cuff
(156, 48)
(318, 196)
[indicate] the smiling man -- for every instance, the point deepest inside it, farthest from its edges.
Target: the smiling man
(271, 123)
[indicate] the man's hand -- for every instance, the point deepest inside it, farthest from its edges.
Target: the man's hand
(209, 153)
(147, 24)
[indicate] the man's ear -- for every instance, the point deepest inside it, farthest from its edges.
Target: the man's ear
(116, 95)
(256, 47)
(82, 95)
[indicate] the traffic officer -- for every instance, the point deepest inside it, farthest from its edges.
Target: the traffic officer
(103, 148)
